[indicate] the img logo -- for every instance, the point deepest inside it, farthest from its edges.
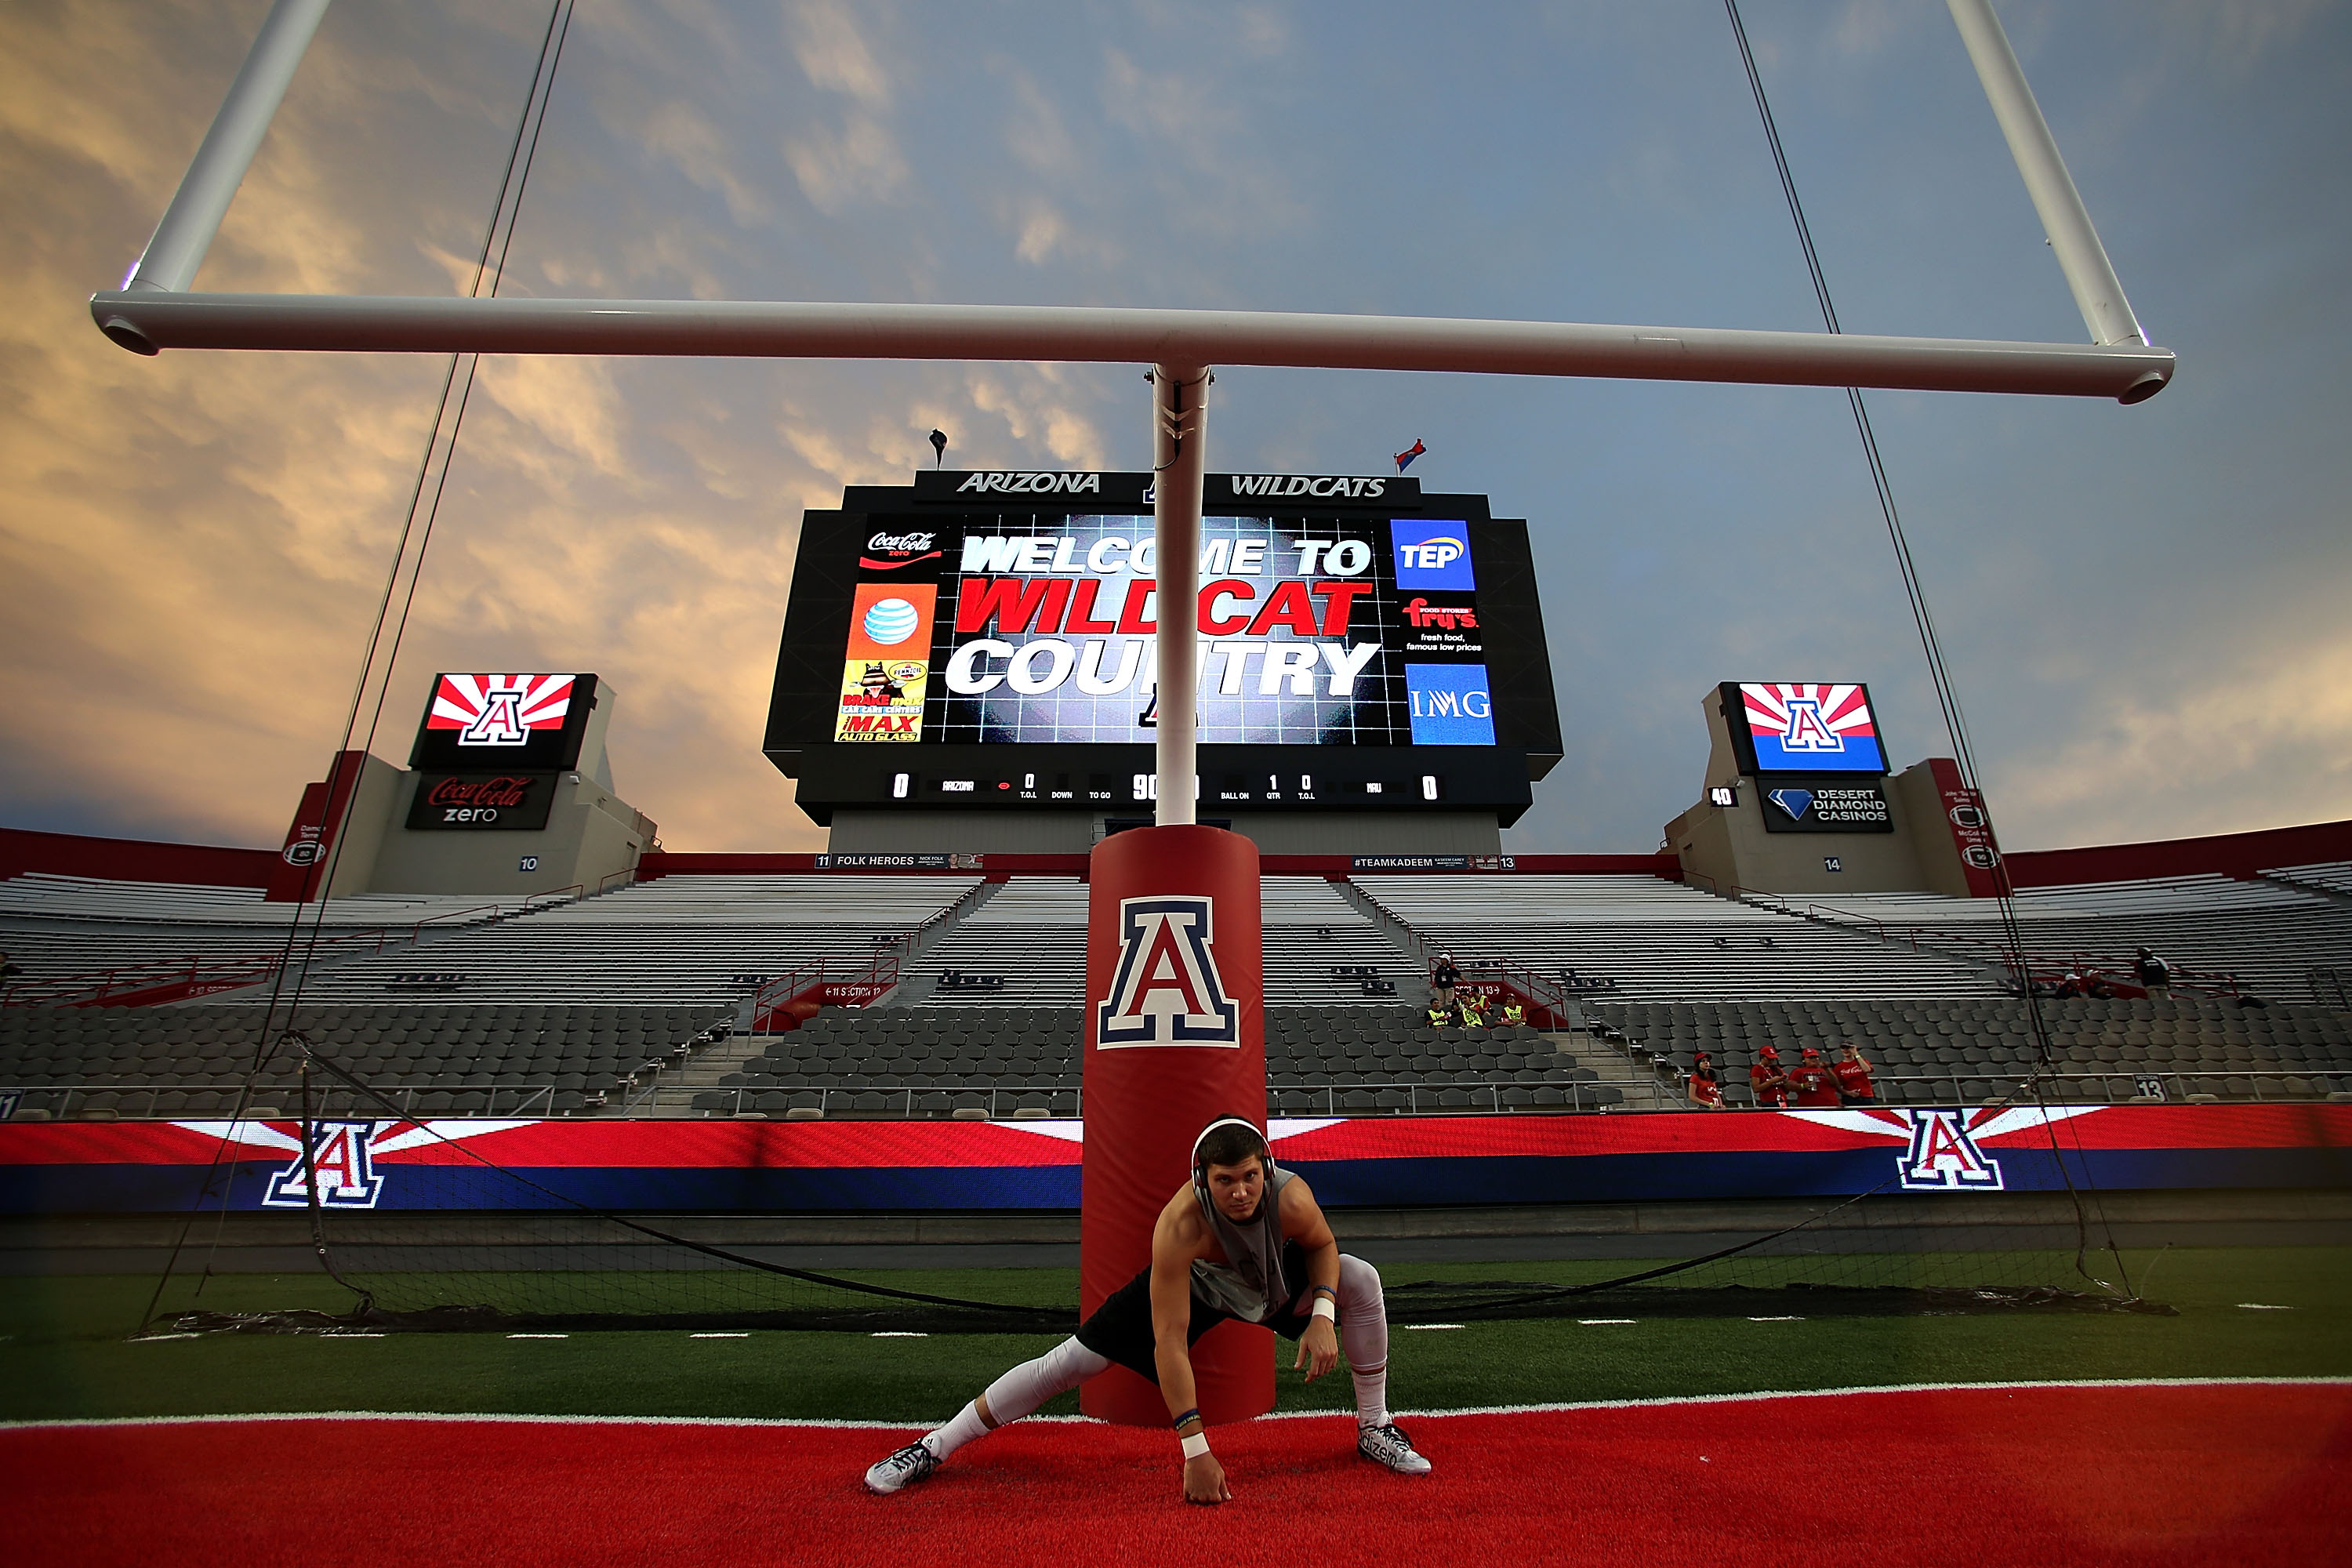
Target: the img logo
(347, 1175)
(1943, 1157)
(1432, 553)
(1166, 990)
(1452, 705)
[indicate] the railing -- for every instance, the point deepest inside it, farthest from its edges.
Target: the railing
(282, 1100)
(1422, 1098)
(826, 982)
(2330, 987)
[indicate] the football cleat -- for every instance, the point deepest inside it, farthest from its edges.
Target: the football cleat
(914, 1463)
(1386, 1444)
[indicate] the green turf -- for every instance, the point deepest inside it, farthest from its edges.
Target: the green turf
(63, 1352)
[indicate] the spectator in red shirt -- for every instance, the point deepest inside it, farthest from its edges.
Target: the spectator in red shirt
(1768, 1080)
(1705, 1089)
(1816, 1088)
(1851, 1071)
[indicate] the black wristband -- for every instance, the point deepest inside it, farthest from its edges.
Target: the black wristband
(1192, 1414)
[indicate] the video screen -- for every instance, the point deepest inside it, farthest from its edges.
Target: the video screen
(515, 722)
(1345, 623)
(1797, 727)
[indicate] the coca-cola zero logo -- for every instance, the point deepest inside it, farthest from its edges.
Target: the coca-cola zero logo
(506, 791)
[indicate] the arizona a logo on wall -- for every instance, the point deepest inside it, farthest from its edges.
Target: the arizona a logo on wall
(1943, 1157)
(499, 710)
(347, 1173)
(1166, 990)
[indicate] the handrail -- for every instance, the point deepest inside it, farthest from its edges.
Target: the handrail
(653, 1099)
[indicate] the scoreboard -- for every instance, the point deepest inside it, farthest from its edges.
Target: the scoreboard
(987, 639)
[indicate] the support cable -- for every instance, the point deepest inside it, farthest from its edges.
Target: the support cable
(1947, 696)
(343, 774)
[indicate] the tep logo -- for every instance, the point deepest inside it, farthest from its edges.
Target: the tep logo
(1944, 1158)
(1432, 553)
(347, 1173)
(1166, 990)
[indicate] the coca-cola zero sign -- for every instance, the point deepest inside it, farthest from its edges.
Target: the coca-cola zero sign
(475, 802)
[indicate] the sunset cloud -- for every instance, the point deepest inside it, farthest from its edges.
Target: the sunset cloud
(2143, 606)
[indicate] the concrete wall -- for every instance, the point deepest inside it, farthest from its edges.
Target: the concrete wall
(1724, 847)
(1075, 832)
(590, 835)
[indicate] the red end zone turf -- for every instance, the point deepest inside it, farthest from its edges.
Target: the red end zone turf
(2203, 1473)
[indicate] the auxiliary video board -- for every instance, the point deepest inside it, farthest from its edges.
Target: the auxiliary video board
(987, 638)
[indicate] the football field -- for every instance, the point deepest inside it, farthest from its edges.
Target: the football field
(2220, 1434)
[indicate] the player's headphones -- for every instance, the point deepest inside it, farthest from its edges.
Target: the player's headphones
(1200, 1171)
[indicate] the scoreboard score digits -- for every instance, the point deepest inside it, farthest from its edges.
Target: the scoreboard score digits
(1362, 645)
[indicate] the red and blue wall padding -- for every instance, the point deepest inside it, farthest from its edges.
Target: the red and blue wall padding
(751, 1167)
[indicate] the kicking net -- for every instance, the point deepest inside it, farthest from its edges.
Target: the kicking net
(486, 1248)
(1878, 1253)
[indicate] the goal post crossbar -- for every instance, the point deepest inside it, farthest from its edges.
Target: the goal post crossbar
(155, 308)
(149, 321)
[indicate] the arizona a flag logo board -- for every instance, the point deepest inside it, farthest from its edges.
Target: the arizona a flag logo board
(499, 710)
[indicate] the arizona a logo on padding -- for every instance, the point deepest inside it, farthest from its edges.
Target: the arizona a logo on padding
(1166, 991)
(347, 1175)
(1943, 1158)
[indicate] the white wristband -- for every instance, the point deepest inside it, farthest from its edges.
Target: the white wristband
(1196, 1445)
(1325, 1308)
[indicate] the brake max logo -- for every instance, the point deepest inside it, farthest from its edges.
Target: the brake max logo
(1450, 705)
(1431, 554)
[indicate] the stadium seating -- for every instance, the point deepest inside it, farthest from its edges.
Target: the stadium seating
(2265, 937)
(1969, 1052)
(606, 1006)
(1649, 940)
(426, 1059)
(676, 941)
(69, 934)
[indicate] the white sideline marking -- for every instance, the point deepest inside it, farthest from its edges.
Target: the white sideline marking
(898, 1335)
(158, 1338)
(539, 1336)
(1415, 1327)
(1593, 1323)
(727, 1335)
(2262, 1307)
(1776, 1320)
(353, 1334)
(474, 1417)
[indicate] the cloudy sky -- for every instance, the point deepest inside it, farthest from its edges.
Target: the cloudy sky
(2144, 607)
